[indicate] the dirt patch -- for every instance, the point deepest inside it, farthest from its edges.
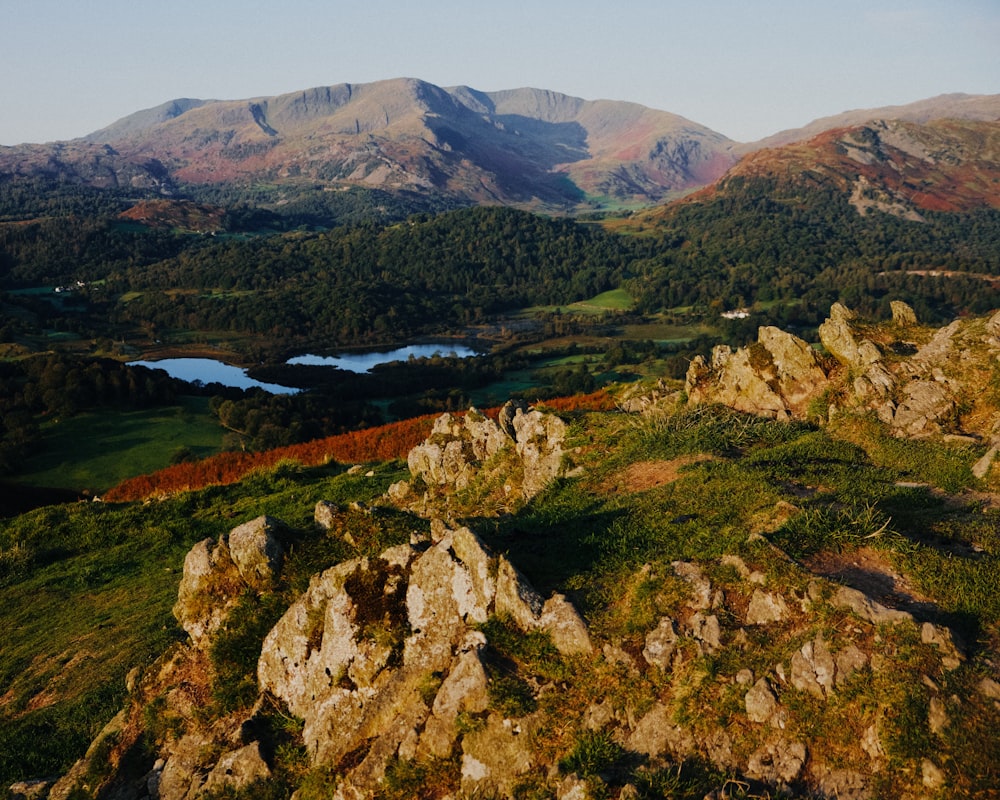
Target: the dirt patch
(871, 572)
(645, 475)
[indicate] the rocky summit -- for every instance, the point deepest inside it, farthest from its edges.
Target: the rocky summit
(742, 616)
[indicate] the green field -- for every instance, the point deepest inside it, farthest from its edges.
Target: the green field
(97, 450)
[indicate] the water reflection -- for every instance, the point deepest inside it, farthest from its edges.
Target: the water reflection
(208, 370)
(363, 362)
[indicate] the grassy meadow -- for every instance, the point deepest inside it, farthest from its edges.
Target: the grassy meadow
(96, 450)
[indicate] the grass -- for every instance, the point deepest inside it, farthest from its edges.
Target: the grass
(93, 597)
(97, 450)
(86, 591)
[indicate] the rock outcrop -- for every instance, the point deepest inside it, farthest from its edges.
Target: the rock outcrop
(523, 451)
(354, 655)
(775, 377)
(216, 573)
(916, 395)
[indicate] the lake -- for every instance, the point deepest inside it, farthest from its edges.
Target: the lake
(363, 362)
(208, 370)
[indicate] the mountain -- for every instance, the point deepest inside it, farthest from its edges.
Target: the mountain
(896, 166)
(976, 107)
(521, 147)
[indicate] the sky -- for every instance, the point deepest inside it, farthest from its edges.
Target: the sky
(745, 68)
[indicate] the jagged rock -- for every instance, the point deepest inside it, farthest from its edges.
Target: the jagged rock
(931, 775)
(813, 669)
(903, 314)
(861, 604)
(937, 715)
(464, 689)
(351, 654)
(701, 587)
(837, 337)
(760, 702)
(982, 467)
(183, 775)
(28, 790)
(257, 552)
(561, 620)
(661, 643)
(706, 629)
(989, 688)
(508, 411)
(940, 637)
(871, 743)
(78, 777)
(843, 784)
(458, 449)
(326, 513)
(514, 597)
(573, 787)
(993, 325)
(657, 733)
(496, 756)
(849, 660)
(238, 770)
(939, 347)
(923, 409)
(539, 441)
(778, 762)
(766, 608)
(774, 377)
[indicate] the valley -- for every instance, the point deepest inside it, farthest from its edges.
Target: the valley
(712, 511)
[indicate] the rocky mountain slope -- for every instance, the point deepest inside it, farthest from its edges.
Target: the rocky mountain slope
(971, 107)
(763, 610)
(524, 146)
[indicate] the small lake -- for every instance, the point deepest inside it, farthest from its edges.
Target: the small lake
(208, 370)
(363, 362)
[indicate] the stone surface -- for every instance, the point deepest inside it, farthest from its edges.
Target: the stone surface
(238, 770)
(760, 702)
(779, 762)
(766, 608)
(661, 642)
(903, 314)
(813, 669)
(257, 552)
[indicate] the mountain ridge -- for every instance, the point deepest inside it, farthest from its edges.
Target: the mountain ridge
(531, 148)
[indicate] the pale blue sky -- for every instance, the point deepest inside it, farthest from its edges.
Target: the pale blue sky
(746, 68)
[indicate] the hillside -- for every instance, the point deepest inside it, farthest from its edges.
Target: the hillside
(669, 599)
(522, 147)
(863, 214)
(980, 108)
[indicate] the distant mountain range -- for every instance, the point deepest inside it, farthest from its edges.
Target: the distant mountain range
(524, 147)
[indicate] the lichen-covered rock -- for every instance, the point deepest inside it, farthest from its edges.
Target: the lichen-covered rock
(459, 449)
(238, 770)
(661, 642)
(353, 655)
(774, 377)
(779, 762)
(766, 608)
(925, 408)
(494, 757)
(814, 669)
(217, 573)
(257, 552)
(760, 702)
(903, 314)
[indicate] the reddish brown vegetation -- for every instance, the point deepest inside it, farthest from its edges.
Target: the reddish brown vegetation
(374, 444)
(383, 443)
